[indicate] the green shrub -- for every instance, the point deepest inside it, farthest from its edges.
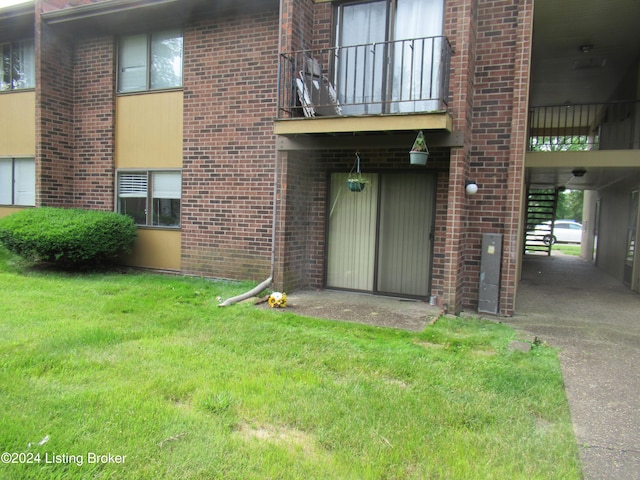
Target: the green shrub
(68, 237)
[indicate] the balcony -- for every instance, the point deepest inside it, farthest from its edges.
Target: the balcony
(592, 126)
(362, 87)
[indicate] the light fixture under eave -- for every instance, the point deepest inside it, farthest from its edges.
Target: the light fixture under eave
(471, 187)
(579, 172)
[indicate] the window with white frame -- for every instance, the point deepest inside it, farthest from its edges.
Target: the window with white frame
(151, 198)
(17, 181)
(18, 69)
(150, 61)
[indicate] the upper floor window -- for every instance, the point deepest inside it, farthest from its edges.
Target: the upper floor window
(151, 198)
(18, 69)
(17, 181)
(150, 61)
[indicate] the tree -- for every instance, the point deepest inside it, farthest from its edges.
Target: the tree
(570, 203)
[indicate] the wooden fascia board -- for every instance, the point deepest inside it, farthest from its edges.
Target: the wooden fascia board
(593, 158)
(374, 123)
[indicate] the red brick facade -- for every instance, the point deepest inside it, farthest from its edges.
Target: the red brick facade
(231, 165)
(499, 137)
(489, 76)
(94, 110)
(230, 78)
(54, 119)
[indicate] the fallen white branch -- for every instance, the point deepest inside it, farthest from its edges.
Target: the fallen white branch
(244, 296)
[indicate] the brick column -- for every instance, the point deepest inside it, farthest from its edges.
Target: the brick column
(460, 28)
(512, 249)
(94, 126)
(54, 117)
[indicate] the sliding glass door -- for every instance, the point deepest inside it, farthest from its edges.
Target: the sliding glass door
(352, 227)
(360, 82)
(379, 240)
(388, 56)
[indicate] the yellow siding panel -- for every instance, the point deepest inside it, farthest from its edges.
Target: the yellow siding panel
(4, 211)
(18, 124)
(158, 249)
(149, 130)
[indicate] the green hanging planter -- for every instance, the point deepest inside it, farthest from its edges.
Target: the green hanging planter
(355, 181)
(356, 184)
(419, 152)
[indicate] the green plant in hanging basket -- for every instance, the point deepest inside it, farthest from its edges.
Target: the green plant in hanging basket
(356, 182)
(419, 151)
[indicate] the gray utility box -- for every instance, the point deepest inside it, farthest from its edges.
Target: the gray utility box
(490, 262)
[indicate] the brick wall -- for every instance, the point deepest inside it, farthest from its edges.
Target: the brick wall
(299, 25)
(519, 135)
(460, 21)
(230, 73)
(75, 120)
(498, 137)
(54, 118)
(301, 207)
(323, 25)
(94, 121)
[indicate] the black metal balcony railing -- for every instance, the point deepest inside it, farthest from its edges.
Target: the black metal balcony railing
(404, 76)
(593, 126)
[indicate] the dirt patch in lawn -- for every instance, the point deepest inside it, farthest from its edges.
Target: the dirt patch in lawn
(278, 435)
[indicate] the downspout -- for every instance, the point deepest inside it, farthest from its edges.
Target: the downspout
(254, 291)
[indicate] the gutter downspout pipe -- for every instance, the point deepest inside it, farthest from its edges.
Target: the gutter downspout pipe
(253, 292)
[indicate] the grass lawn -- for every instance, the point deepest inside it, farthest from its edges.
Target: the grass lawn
(141, 376)
(567, 249)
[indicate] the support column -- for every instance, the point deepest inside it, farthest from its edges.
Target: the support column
(512, 248)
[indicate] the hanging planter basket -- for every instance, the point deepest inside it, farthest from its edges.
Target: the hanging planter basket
(419, 152)
(355, 185)
(418, 158)
(355, 181)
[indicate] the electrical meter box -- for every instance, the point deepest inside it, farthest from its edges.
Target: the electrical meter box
(490, 262)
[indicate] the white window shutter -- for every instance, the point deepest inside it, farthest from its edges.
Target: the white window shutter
(132, 185)
(25, 181)
(167, 185)
(6, 181)
(132, 63)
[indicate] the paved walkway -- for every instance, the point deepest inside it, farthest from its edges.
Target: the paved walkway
(595, 321)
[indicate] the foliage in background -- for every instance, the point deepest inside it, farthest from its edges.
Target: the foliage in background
(569, 202)
(570, 205)
(560, 143)
(68, 237)
(574, 250)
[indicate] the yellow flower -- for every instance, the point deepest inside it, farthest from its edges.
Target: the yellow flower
(278, 300)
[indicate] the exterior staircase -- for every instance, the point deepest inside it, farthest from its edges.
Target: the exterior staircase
(541, 213)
